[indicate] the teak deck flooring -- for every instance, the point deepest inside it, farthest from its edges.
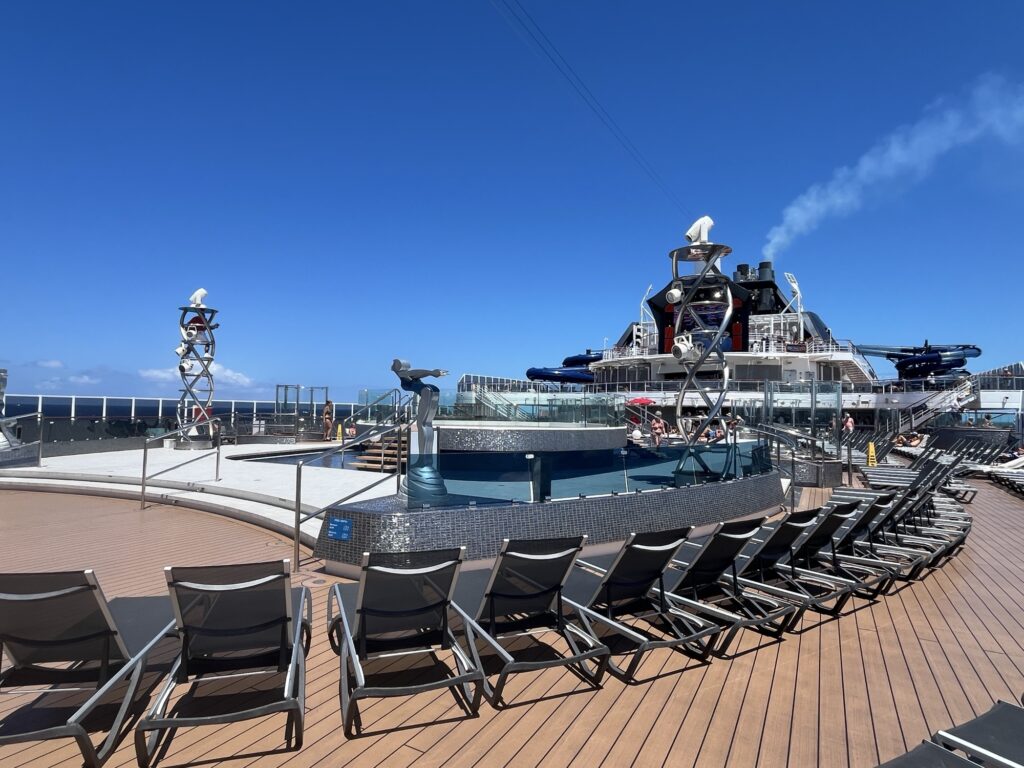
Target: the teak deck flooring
(846, 692)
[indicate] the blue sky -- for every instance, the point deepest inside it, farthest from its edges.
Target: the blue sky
(354, 182)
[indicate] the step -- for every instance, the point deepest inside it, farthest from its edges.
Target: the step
(266, 516)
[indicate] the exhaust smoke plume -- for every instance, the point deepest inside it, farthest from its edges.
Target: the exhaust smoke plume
(994, 108)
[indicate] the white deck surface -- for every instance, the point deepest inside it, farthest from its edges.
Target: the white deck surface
(120, 471)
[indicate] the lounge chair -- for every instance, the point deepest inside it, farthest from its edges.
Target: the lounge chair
(764, 569)
(402, 605)
(708, 585)
(992, 738)
(824, 549)
(928, 754)
(522, 596)
(51, 619)
(234, 621)
(621, 599)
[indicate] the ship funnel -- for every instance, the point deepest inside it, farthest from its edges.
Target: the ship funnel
(741, 273)
(765, 272)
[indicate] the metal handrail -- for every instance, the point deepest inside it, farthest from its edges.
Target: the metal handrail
(797, 434)
(789, 441)
(39, 443)
(397, 401)
(300, 517)
(179, 431)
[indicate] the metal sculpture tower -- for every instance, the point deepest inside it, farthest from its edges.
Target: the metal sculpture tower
(704, 308)
(195, 363)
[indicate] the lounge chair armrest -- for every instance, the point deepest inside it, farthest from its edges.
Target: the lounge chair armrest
(129, 666)
(588, 566)
(771, 589)
(473, 629)
(704, 608)
(613, 625)
(822, 579)
(298, 648)
(338, 621)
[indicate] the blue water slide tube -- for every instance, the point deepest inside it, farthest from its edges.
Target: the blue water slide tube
(565, 375)
(581, 361)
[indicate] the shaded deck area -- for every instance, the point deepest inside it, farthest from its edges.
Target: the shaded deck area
(851, 691)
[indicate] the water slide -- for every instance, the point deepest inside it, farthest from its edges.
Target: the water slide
(924, 361)
(574, 370)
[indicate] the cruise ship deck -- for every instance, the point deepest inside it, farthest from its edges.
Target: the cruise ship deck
(852, 691)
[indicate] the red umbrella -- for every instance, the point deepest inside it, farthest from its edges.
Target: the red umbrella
(640, 401)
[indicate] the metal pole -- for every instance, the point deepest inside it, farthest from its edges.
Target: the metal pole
(42, 425)
(298, 508)
(792, 480)
(145, 457)
(849, 461)
(398, 467)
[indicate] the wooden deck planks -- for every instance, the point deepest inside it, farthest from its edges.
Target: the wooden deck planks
(852, 691)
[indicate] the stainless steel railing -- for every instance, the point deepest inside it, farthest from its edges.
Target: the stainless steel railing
(780, 440)
(214, 434)
(39, 443)
(401, 426)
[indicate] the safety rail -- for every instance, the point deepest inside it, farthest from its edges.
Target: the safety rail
(798, 435)
(398, 401)
(402, 424)
(924, 411)
(5, 420)
(780, 439)
(214, 435)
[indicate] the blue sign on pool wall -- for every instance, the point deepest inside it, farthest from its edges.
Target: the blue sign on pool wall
(339, 529)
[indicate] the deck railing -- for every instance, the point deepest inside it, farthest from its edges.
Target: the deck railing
(214, 435)
(401, 426)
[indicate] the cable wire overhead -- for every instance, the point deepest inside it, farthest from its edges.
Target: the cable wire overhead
(526, 22)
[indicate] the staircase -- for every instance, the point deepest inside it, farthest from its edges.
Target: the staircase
(382, 456)
(943, 401)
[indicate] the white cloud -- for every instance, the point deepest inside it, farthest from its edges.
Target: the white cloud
(159, 374)
(221, 375)
(83, 379)
(994, 108)
(49, 385)
(49, 363)
(229, 376)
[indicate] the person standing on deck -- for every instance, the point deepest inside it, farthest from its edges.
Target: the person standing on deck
(328, 420)
(657, 429)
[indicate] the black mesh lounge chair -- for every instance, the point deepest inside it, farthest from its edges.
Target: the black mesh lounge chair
(864, 538)
(927, 754)
(708, 584)
(828, 548)
(764, 569)
(989, 739)
(402, 605)
(621, 599)
(522, 595)
(57, 629)
(234, 621)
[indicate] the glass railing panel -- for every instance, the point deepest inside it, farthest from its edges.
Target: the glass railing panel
(89, 408)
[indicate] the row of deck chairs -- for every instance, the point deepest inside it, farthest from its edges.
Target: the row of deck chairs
(605, 613)
(991, 739)
(960, 459)
(61, 636)
(595, 615)
(856, 443)
(1012, 480)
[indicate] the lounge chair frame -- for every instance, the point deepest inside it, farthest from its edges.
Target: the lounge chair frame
(290, 658)
(350, 645)
(108, 675)
(687, 632)
(589, 657)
